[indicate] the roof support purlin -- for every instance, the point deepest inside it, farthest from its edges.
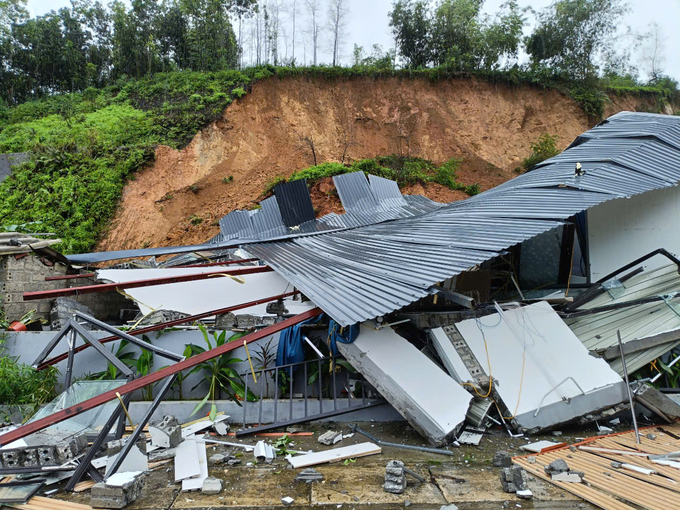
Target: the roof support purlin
(108, 287)
(137, 384)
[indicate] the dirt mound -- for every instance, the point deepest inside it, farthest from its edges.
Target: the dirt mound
(180, 198)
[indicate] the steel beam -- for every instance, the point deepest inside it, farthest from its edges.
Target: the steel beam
(42, 364)
(138, 384)
(109, 287)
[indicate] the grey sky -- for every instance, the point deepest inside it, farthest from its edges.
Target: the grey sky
(368, 24)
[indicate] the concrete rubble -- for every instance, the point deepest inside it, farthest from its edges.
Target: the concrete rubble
(309, 476)
(211, 486)
(118, 491)
(395, 477)
(166, 433)
(330, 438)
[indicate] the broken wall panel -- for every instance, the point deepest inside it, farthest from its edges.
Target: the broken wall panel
(431, 401)
(598, 331)
(198, 296)
(540, 369)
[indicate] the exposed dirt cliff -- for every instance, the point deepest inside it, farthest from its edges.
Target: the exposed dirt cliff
(180, 198)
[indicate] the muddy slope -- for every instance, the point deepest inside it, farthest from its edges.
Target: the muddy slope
(179, 198)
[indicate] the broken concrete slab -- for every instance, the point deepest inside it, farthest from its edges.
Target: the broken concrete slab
(120, 490)
(166, 433)
(212, 485)
(559, 380)
(330, 437)
(570, 477)
(218, 458)
(412, 383)
(525, 494)
(221, 427)
(657, 402)
(135, 461)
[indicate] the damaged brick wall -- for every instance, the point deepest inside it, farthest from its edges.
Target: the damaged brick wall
(27, 273)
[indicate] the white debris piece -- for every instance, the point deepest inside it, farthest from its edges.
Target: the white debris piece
(467, 437)
(538, 447)
(264, 451)
(287, 500)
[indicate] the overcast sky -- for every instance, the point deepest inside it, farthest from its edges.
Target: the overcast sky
(369, 24)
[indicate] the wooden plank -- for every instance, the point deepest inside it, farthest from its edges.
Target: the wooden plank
(42, 503)
(334, 455)
(646, 495)
(589, 494)
(83, 486)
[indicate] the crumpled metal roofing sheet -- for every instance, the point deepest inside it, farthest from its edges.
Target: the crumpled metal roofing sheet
(598, 331)
(370, 263)
(373, 270)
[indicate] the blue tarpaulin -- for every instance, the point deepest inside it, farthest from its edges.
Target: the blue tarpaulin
(290, 344)
(292, 351)
(337, 333)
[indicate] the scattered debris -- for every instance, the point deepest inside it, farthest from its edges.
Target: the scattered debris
(264, 452)
(287, 500)
(166, 433)
(218, 458)
(525, 494)
(118, 491)
(395, 477)
(309, 476)
(512, 479)
(541, 446)
(336, 454)
(467, 437)
(211, 485)
(330, 437)
(502, 459)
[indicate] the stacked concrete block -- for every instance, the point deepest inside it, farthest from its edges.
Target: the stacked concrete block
(64, 308)
(395, 477)
(45, 448)
(106, 495)
(512, 479)
(27, 274)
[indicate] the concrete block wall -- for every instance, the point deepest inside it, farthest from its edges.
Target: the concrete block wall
(27, 274)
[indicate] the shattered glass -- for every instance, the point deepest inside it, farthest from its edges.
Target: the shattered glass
(91, 421)
(615, 288)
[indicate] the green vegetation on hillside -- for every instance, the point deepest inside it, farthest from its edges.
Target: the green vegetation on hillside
(86, 145)
(403, 170)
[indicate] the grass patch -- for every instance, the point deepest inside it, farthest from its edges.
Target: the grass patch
(543, 148)
(21, 385)
(403, 170)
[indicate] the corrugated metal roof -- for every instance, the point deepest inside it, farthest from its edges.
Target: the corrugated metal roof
(367, 263)
(372, 270)
(294, 203)
(598, 331)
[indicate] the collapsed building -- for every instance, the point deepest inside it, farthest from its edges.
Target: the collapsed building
(526, 306)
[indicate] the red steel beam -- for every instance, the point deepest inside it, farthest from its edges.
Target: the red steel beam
(108, 287)
(169, 324)
(137, 384)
